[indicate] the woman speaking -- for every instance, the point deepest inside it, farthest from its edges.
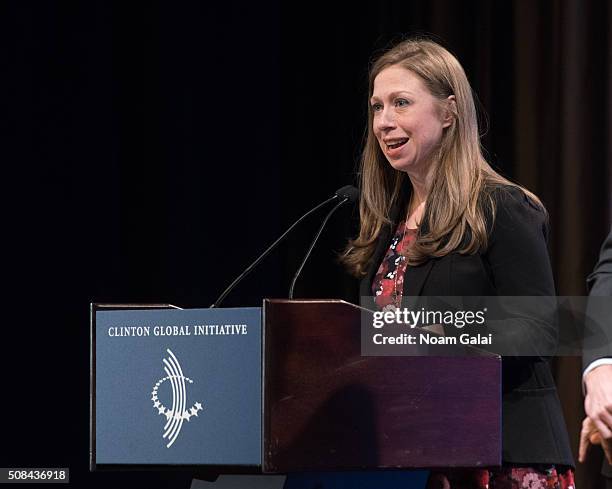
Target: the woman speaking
(437, 220)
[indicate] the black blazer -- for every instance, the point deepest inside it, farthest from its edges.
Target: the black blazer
(599, 345)
(516, 263)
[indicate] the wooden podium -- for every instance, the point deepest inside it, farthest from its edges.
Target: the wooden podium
(295, 394)
(326, 407)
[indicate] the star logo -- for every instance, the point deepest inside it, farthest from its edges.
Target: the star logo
(178, 413)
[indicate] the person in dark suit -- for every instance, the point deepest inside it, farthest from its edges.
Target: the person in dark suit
(437, 220)
(597, 363)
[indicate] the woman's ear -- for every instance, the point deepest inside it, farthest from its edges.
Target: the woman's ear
(450, 111)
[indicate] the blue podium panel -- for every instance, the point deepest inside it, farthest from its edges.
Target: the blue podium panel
(177, 387)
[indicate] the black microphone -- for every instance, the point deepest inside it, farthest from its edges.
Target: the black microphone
(345, 194)
(348, 194)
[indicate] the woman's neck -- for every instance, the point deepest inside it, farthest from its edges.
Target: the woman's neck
(421, 183)
(417, 198)
(415, 215)
(420, 190)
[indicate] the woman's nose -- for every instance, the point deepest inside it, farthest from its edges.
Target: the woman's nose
(386, 119)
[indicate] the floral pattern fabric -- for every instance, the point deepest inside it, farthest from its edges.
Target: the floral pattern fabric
(388, 283)
(503, 478)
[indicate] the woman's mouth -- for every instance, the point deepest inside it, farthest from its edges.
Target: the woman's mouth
(397, 143)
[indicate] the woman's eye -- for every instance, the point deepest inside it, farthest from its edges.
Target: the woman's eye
(376, 107)
(401, 102)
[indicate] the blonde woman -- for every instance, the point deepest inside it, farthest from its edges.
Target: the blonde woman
(437, 220)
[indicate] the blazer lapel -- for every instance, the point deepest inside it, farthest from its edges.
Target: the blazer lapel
(415, 278)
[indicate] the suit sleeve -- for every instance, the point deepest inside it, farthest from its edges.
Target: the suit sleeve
(597, 341)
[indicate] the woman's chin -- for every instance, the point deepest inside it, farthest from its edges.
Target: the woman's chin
(401, 165)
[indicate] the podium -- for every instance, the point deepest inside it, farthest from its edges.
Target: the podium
(313, 401)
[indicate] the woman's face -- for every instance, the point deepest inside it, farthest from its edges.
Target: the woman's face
(408, 120)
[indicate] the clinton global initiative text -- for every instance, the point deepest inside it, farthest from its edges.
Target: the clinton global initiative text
(188, 330)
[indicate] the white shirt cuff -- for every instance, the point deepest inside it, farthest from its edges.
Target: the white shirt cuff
(591, 366)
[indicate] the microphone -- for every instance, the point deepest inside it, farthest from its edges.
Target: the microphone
(345, 194)
(348, 194)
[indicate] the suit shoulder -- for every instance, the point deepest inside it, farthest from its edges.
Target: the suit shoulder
(514, 211)
(510, 196)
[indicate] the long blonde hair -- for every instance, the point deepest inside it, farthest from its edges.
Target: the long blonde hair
(460, 203)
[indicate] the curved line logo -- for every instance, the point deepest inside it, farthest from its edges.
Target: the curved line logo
(178, 413)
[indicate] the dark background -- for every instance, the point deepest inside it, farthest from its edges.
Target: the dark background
(151, 150)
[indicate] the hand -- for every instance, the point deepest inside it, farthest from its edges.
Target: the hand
(590, 436)
(598, 408)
